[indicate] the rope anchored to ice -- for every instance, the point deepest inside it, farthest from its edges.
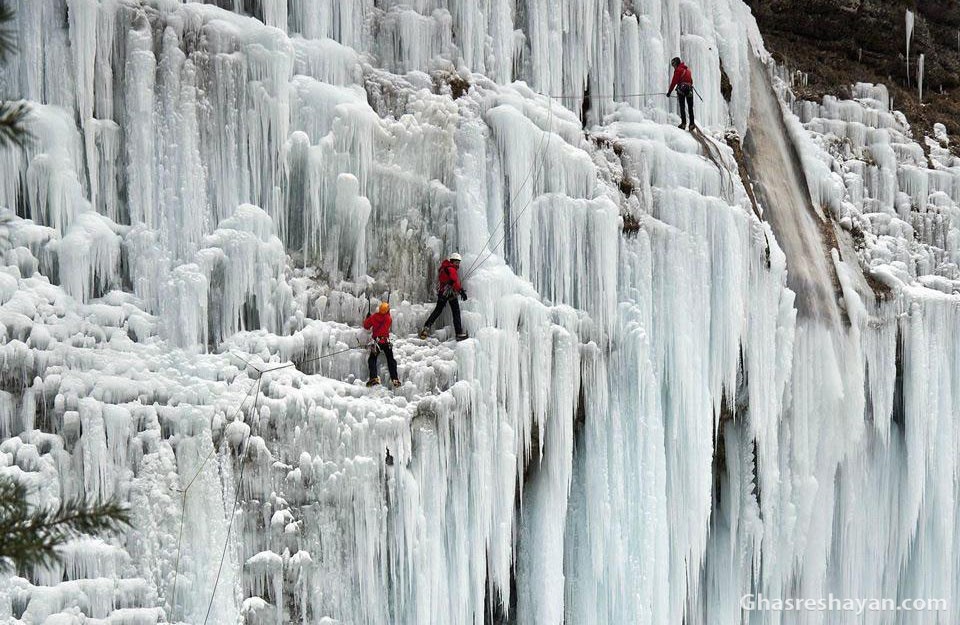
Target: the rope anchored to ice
(545, 145)
(255, 393)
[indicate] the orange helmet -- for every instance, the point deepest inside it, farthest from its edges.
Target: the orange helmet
(384, 307)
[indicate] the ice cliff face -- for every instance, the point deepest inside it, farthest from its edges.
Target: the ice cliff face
(681, 387)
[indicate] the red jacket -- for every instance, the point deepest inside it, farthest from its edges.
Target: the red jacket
(448, 278)
(681, 76)
(379, 326)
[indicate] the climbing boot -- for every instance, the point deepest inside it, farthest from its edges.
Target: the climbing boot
(396, 383)
(423, 333)
(463, 336)
(373, 381)
(682, 126)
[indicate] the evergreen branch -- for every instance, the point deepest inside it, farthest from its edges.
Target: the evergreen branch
(13, 129)
(13, 498)
(78, 517)
(8, 37)
(32, 537)
(22, 548)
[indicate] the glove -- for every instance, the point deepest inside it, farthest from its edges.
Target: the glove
(463, 295)
(669, 93)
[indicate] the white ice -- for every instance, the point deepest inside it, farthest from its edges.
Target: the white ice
(646, 424)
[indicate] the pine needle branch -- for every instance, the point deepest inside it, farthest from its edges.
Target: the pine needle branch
(32, 537)
(13, 129)
(8, 37)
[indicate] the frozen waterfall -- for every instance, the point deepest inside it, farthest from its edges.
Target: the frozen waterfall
(701, 366)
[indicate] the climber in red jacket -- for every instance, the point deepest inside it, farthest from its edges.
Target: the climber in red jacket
(683, 82)
(379, 325)
(448, 289)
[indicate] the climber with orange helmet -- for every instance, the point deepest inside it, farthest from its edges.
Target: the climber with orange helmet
(448, 289)
(379, 325)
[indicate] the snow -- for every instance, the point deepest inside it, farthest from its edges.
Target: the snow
(646, 423)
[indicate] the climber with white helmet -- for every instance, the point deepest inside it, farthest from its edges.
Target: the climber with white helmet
(379, 325)
(683, 83)
(448, 289)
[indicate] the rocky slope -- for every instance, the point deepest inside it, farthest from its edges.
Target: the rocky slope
(839, 42)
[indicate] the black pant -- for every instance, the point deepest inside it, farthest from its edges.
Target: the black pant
(685, 97)
(387, 350)
(454, 308)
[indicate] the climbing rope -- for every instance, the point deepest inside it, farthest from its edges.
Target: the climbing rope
(183, 507)
(255, 391)
(474, 265)
(590, 96)
(233, 513)
(543, 137)
(542, 149)
(536, 171)
(477, 262)
(304, 362)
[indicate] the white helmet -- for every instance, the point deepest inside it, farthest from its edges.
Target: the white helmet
(455, 256)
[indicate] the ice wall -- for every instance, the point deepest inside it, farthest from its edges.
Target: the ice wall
(641, 429)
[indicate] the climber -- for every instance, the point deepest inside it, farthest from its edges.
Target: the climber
(448, 288)
(683, 81)
(379, 325)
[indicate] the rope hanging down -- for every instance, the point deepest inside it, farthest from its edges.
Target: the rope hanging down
(183, 506)
(545, 144)
(477, 263)
(543, 137)
(260, 372)
(233, 513)
(255, 391)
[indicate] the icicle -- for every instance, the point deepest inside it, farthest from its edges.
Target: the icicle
(83, 46)
(920, 78)
(89, 257)
(353, 212)
(140, 72)
(909, 24)
(275, 13)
